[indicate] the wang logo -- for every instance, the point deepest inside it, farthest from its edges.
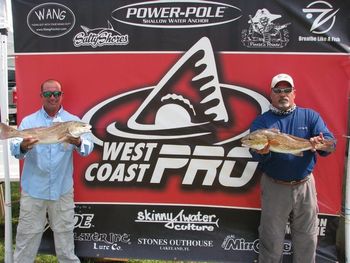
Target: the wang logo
(187, 102)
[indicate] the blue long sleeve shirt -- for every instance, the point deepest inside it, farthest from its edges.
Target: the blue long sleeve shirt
(48, 168)
(304, 123)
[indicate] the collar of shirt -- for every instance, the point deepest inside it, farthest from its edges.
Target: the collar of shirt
(57, 117)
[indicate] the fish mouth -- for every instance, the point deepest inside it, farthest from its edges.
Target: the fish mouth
(86, 127)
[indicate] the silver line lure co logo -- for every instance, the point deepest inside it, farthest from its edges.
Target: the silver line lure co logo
(176, 14)
(324, 16)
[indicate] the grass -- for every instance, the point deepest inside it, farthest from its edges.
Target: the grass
(41, 258)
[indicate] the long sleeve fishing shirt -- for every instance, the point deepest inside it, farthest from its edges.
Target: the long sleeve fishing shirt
(304, 123)
(48, 168)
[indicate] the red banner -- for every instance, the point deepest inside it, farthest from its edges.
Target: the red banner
(167, 122)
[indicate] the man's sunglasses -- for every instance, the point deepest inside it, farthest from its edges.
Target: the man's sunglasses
(284, 90)
(48, 94)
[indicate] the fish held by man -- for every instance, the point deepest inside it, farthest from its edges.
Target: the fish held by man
(283, 143)
(58, 132)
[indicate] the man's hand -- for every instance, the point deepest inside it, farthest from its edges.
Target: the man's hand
(28, 143)
(73, 140)
(316, 140)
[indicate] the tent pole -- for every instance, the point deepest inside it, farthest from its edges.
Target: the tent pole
(4, 119)
(347, 208)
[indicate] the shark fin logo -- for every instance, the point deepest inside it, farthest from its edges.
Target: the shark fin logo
(184, 122)
(187, 102)
(209, 91)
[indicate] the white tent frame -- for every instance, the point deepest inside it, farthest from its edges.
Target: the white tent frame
(4, 119)
(347, 207)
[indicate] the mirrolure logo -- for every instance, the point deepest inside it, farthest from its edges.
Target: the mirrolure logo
(176, 14)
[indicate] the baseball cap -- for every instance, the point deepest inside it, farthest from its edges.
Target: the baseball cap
(282, 77)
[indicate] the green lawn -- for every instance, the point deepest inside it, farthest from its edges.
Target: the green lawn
(15, 196)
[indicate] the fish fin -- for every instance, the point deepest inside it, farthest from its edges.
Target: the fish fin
(86, 29)
(274, 142)
(62, 138)
(110, 26)
(7, 132)
(264, 146)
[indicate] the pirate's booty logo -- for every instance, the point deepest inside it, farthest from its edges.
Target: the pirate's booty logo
(186, 104)
(264, 32)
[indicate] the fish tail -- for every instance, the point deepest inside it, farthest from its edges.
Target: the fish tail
(6, 131)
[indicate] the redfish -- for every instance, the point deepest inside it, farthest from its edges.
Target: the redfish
(55, 133)
(283, 143)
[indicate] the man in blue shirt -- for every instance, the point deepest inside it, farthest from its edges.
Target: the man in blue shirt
(288, 191)
(47, 180)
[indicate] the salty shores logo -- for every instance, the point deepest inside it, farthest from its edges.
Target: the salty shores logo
(183, 124)
(176, 14)
(98, 37)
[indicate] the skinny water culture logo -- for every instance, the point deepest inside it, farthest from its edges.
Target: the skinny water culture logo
(179, 221)
(264, 32)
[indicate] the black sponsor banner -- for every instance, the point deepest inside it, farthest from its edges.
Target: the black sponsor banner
(107, 25)
(179, 232)
(145, 108)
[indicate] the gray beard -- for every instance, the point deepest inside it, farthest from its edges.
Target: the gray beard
(282, 112)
